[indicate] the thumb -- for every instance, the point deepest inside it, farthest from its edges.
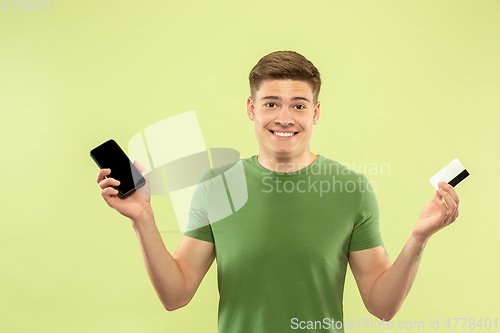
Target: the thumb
(437, 196)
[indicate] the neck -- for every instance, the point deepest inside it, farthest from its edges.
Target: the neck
(286, 163)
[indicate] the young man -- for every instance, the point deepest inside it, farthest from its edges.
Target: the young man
(282, 257)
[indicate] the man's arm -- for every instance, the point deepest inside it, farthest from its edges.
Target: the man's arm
(175, 278)
(383, 286)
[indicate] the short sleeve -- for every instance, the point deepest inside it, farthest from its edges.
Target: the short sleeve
(366, 233)
(198, 223)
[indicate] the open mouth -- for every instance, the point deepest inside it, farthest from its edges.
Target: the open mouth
(284, 134)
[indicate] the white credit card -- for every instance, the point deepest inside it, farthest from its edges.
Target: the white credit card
(453, 174)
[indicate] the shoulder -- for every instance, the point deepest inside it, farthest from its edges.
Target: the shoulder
(343, 178)
(226, 170)
(334, 168)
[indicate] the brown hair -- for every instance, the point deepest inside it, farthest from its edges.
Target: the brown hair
(285, 65)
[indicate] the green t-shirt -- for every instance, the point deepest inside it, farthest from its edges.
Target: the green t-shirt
(282, 244)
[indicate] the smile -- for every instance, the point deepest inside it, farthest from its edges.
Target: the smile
(284, 134)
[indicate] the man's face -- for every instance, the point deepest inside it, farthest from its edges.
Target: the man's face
(283, 107)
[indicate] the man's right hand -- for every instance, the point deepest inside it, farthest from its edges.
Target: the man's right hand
(132, 206)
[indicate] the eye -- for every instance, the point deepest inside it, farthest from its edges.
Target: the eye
(270, 105)
(300, 106)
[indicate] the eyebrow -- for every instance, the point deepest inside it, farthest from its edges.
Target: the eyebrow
(279, 98)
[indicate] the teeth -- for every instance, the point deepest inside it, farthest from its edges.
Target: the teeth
(283, 134)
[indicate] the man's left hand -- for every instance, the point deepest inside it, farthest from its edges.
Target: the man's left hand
(438, 214)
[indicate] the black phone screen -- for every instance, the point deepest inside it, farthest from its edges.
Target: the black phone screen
(110, 155)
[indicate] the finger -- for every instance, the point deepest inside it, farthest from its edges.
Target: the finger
(109, 182)
(456, 199)
(453, 211)
(448, 199)
(108, 192)
(452, 206)
(142, 169)
(102, 174)
(437, 197)
(139, 166)
(451, 190)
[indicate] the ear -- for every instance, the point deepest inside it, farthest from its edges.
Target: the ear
(316, 113)
(250, 108)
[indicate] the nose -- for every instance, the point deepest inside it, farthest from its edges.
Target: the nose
(284, 118)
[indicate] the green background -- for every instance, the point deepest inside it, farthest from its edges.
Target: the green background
(411, 83)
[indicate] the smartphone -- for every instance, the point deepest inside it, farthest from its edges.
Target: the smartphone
(110, 155)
